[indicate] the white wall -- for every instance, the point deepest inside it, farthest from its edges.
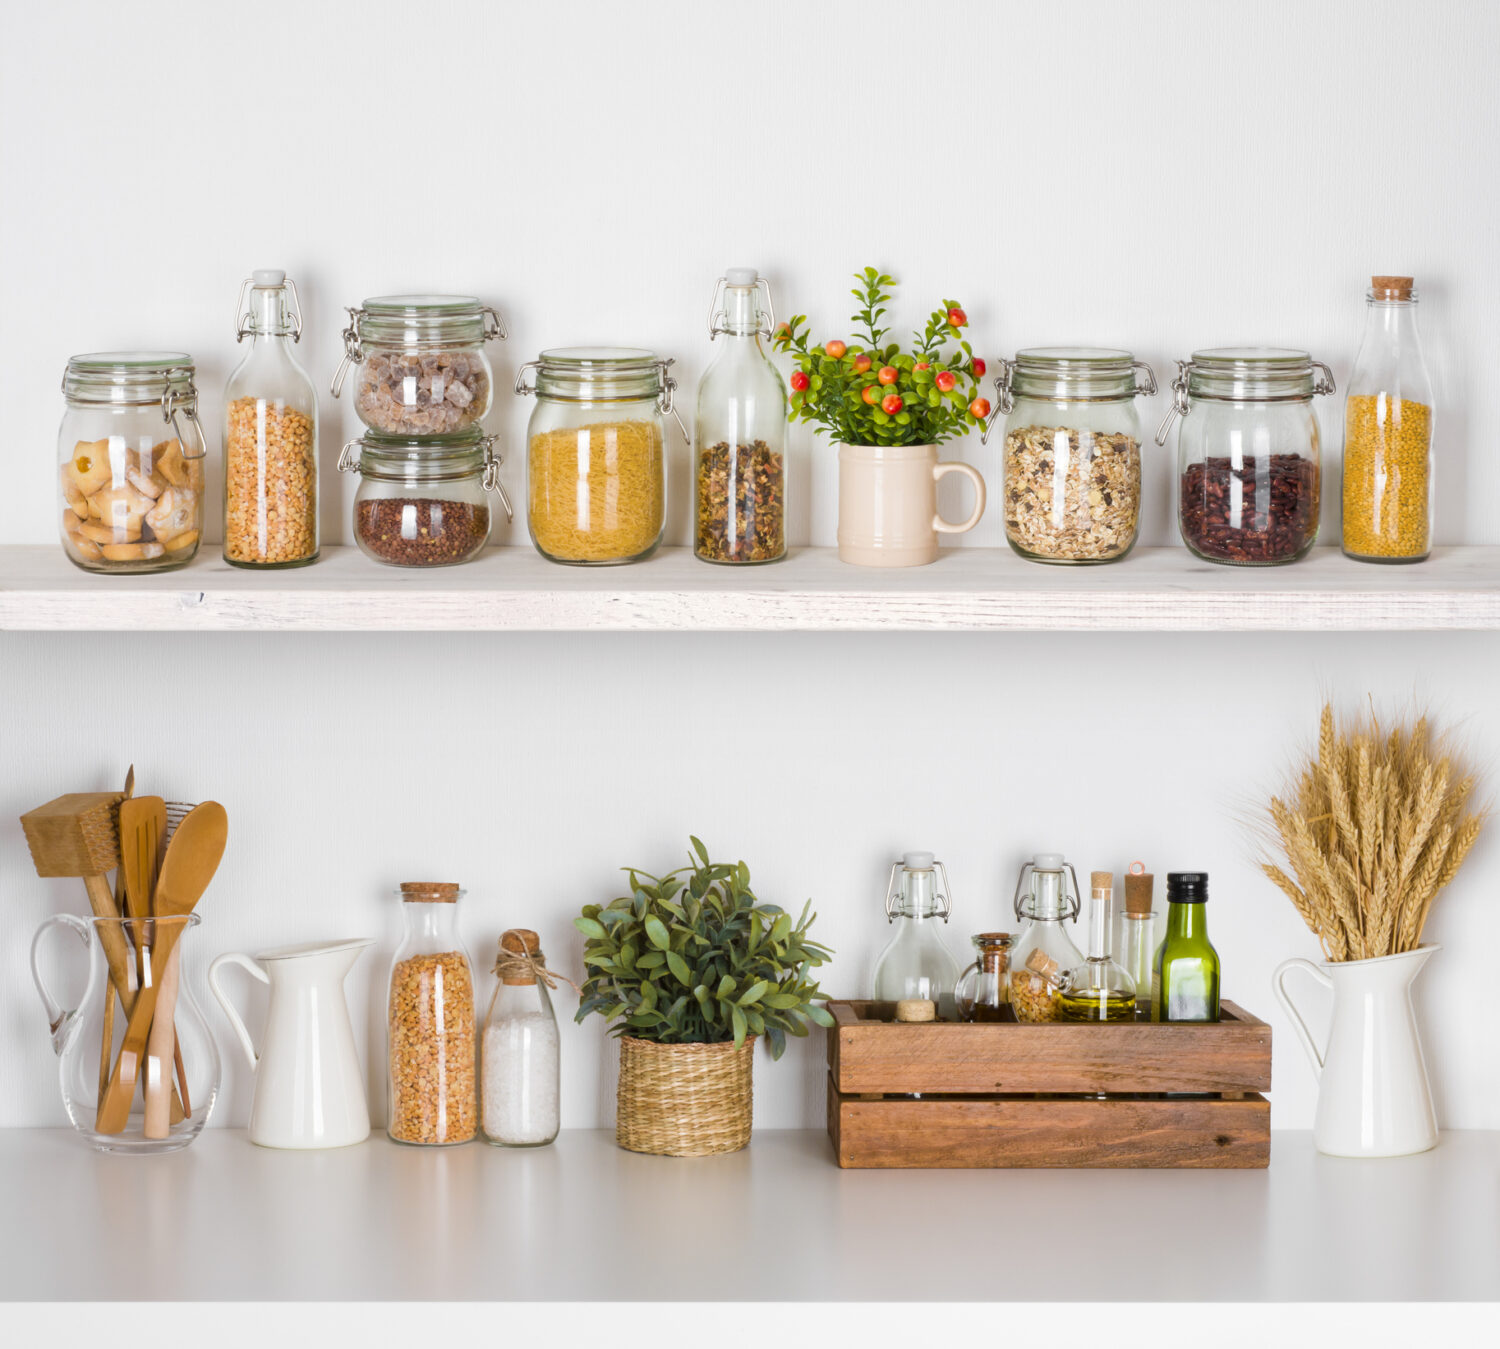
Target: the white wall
(1159, 176)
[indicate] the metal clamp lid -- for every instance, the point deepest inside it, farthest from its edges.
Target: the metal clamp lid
(715, 312)
(1069, 911)
(242, 314)
(1005, 399)
(943, 906)
(187, 402)
(1179, 407)
(353, 352)
(664, 400)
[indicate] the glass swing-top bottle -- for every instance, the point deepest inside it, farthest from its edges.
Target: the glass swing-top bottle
(915, 963)
(1043, 950)
(1099, 989)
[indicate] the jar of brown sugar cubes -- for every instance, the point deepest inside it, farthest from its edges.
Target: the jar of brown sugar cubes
(419, 361)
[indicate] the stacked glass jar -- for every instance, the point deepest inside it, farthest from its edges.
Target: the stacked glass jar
(423, 384)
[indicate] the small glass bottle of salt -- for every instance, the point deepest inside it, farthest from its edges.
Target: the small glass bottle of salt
(519, 1061)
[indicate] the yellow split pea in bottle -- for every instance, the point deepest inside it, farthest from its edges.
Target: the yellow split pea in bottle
(1388, 433)
(596, 465)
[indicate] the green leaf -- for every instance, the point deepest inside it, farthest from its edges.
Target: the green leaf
(819, 1014)
(699, 849)
(656, 932)
(679, 968)
(737, 1017)
(591, 927)
(753, 993)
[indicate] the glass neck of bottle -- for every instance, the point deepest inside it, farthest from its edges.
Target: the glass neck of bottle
(1045, 903)
(431, 922)
(1099, 925)
(269, 321)
(1392, 322)
(742, 311)
(918, 895)
(1187, 920)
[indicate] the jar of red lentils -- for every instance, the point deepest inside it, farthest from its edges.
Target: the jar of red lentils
(421, 504)
(1249, 453)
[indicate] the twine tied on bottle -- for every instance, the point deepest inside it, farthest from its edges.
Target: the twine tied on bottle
(520, 961)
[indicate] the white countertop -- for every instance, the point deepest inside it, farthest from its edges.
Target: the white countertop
(584, 1220)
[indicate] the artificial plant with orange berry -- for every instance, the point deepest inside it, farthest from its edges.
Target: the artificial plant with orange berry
(869, 392)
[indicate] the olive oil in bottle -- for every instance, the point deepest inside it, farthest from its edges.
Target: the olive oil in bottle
(1185, 974)
(1099, 990)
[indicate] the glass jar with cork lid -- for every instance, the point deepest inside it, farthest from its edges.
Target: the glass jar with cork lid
(430, 1023)
(519, 1057)
(983, 992)
(1072, 458)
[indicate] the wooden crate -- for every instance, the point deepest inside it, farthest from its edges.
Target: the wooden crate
(1001, 1094)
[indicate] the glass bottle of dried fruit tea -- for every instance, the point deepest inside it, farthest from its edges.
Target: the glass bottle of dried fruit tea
(270, 434)
(739, 454)
(430, 1023)
(1388, 433)
(916, 963)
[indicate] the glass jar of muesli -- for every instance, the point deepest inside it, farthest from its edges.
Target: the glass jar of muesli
(1249, 455)
(421, 504)
(1072, 458)
(420, 363)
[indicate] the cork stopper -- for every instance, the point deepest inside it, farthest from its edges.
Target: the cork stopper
(1392, 287)
(916, 1009)
(1102, 880)
(1138, 886)
(519, 941)
(429, 892)
(1043, 964)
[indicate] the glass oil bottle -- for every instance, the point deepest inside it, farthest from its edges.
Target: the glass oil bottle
(1136, 939)
(1099, 989)
(1185, 974)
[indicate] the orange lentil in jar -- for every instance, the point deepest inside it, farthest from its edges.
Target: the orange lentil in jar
(1386, 446)
(432, 1063)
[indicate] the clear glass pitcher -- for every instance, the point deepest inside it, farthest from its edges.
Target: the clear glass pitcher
(915, 962)
(88, 1037)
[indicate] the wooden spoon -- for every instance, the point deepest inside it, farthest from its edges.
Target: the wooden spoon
(192, 858)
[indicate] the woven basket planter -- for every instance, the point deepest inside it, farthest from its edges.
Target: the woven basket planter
(684, 1100)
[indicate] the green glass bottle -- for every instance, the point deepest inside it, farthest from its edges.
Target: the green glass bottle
(1185, 973)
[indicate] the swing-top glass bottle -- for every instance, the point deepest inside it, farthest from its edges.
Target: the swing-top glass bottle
(1046, 897)
(915, 962)
(739, 457)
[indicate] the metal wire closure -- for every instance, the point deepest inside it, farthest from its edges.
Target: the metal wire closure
(1005, 400)
(490, 482)
(664, 399)
(241, 313)
(523, 389)
(943, 905)
(353, 352)
(1148, 389)
(171, 401)
(1069, 911)
(497, 329)
(715, 312)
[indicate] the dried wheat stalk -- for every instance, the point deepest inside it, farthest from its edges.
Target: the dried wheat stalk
(1373, 828)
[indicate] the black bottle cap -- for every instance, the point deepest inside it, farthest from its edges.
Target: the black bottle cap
(1187, 887)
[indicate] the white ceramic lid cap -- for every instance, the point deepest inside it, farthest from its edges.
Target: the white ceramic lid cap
(741, 276)
(917, 861)
(266, 277)
(1048, 861)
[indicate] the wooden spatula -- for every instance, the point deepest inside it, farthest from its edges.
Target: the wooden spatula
(192, 858)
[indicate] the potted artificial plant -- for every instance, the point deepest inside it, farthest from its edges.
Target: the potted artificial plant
(691, 969)
(888, 411)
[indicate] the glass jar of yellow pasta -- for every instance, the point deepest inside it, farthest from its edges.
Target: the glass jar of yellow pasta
(596, 453)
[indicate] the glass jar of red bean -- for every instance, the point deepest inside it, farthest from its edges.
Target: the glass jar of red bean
(1249, 453)
(420, 503)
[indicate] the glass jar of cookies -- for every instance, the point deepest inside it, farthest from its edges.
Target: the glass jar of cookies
(419, 362)
(130, 461)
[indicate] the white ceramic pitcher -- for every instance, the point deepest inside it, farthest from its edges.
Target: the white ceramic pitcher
(309, 1091)
(1373, 1095)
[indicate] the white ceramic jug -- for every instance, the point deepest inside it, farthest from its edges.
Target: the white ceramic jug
(1373, 1096)
(309, 1091)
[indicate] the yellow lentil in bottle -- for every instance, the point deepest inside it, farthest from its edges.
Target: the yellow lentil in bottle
(1388, 433)
(1386, 446)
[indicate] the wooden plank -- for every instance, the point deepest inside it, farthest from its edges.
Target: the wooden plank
(950, 1132)
(1233, 1055)
(967, 589)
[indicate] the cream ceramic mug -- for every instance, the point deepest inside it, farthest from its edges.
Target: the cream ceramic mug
(888, 515)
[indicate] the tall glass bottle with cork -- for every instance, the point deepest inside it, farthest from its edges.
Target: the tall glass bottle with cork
(1388, 433)
(915, 963)
(1136, 940)
(1046, 898)
(1099, 989)
(739, 457)
(1185, 976)
(270, 434)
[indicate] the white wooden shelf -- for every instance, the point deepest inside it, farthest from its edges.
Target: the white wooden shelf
(968, 589)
